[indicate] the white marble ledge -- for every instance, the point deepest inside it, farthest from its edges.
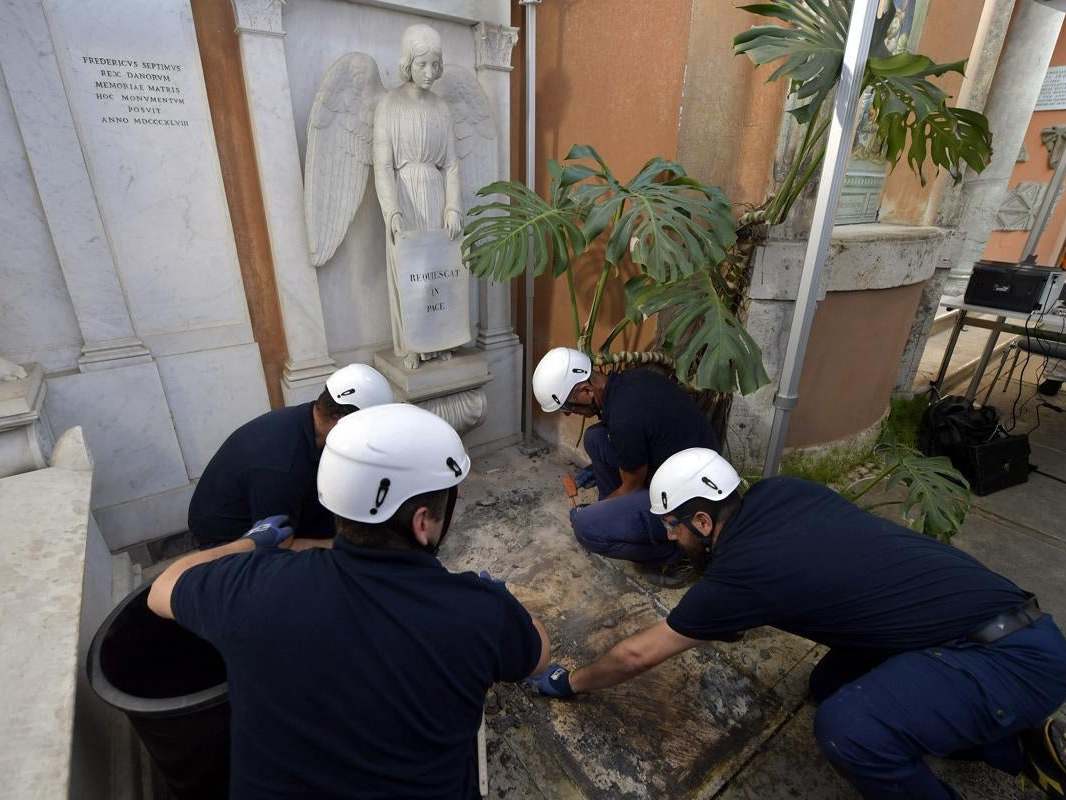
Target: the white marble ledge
(861, 258)
(881, 231)
(469, 11)
(42, 562)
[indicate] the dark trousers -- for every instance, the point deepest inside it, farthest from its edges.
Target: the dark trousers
(622, 527)
(882, 713)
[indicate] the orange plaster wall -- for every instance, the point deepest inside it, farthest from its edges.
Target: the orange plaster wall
(852, 362)
(947, 36)
(730, 115)
(1007, 245)
(614, 81)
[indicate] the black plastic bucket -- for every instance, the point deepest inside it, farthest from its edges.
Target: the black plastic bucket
(172, 686)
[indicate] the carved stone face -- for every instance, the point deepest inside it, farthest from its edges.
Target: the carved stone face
(422, 61)
(426, 68)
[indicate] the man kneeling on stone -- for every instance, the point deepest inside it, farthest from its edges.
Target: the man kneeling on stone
(360, 671)
(931, 652)
(267, 467)
(644, 419)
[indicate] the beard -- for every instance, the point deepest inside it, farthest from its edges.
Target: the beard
(693, 548)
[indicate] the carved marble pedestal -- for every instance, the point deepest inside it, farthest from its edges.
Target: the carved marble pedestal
(25, 438)
(451, 389)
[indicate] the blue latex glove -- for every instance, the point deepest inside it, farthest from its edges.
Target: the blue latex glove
(553, 682)
(585, 478)
(485, 576)
(270, 532)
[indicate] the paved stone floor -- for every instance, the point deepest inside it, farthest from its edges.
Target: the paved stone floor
(726, 721)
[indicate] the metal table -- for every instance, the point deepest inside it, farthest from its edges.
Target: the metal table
(1037, 327)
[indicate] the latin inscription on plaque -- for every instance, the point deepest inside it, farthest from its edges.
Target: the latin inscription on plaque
(136, 92)
(1053, 92)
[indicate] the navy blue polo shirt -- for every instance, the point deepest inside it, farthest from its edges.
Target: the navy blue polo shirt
(649, 418)
(355, 673)
(799, 557)
(267, 466)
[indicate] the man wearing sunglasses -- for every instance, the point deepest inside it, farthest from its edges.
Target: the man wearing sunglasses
(931, 653)
(644, 419)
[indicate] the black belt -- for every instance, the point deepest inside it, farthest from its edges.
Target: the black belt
(1007, 623)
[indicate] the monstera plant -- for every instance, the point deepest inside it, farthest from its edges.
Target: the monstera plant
(907, 106)
(692, 254)
(675, 228)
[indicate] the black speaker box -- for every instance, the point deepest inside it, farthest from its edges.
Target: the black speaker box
(1011, 287)
(997, 464)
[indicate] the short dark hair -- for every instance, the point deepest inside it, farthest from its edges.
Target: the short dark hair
(717, 510)
(395, 532)
(330, 408)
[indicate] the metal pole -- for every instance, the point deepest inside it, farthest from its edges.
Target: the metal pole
(838, 147)
(531, 181)
(1043, 216)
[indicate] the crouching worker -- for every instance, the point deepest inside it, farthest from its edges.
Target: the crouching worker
(644, 419)
(267, 466)
(931, 652)
(359, 671)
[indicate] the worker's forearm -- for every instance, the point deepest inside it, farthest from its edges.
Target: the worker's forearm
(618, 665)
(163, 586)
(242, 545)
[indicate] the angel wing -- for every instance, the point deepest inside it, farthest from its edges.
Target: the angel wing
(475, 131)
(340, 151)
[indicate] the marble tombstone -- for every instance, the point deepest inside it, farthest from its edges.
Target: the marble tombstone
(123, 298)
(426, 145)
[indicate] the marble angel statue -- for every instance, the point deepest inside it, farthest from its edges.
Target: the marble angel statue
(431, 143)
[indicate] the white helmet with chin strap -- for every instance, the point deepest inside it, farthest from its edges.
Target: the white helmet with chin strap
(695, 472)
(359, 385)
(382, 456)
(561, 369)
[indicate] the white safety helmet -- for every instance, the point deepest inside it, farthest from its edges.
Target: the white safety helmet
(561, 369)
(695, 472)
(359, 385)
(382, 456)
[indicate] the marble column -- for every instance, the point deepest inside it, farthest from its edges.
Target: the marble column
(261, 36)
(54, 152)
(1034, 31)
(492, 53)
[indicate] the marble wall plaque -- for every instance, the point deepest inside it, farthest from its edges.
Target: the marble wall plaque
(1053, 92)
(135, 84)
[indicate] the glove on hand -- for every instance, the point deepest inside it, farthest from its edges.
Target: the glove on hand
(270, 532)
(585, 478)
(553, 682)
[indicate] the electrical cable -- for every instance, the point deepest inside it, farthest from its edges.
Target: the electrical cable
(1021, 374)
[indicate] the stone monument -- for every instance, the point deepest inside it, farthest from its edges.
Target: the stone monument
(430, 143)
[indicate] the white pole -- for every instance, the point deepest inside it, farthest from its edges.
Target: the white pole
(838, 147)
(531, 181)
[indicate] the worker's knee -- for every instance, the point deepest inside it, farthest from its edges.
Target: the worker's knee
(596, 442)
(586, 530)
(845, 733)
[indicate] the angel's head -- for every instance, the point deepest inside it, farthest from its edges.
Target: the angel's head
(422, 61)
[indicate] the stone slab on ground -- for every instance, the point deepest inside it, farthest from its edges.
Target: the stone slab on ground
(681, 730)
(1035, 563)
(792, 767)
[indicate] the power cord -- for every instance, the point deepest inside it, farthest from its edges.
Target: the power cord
(1021, 375)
